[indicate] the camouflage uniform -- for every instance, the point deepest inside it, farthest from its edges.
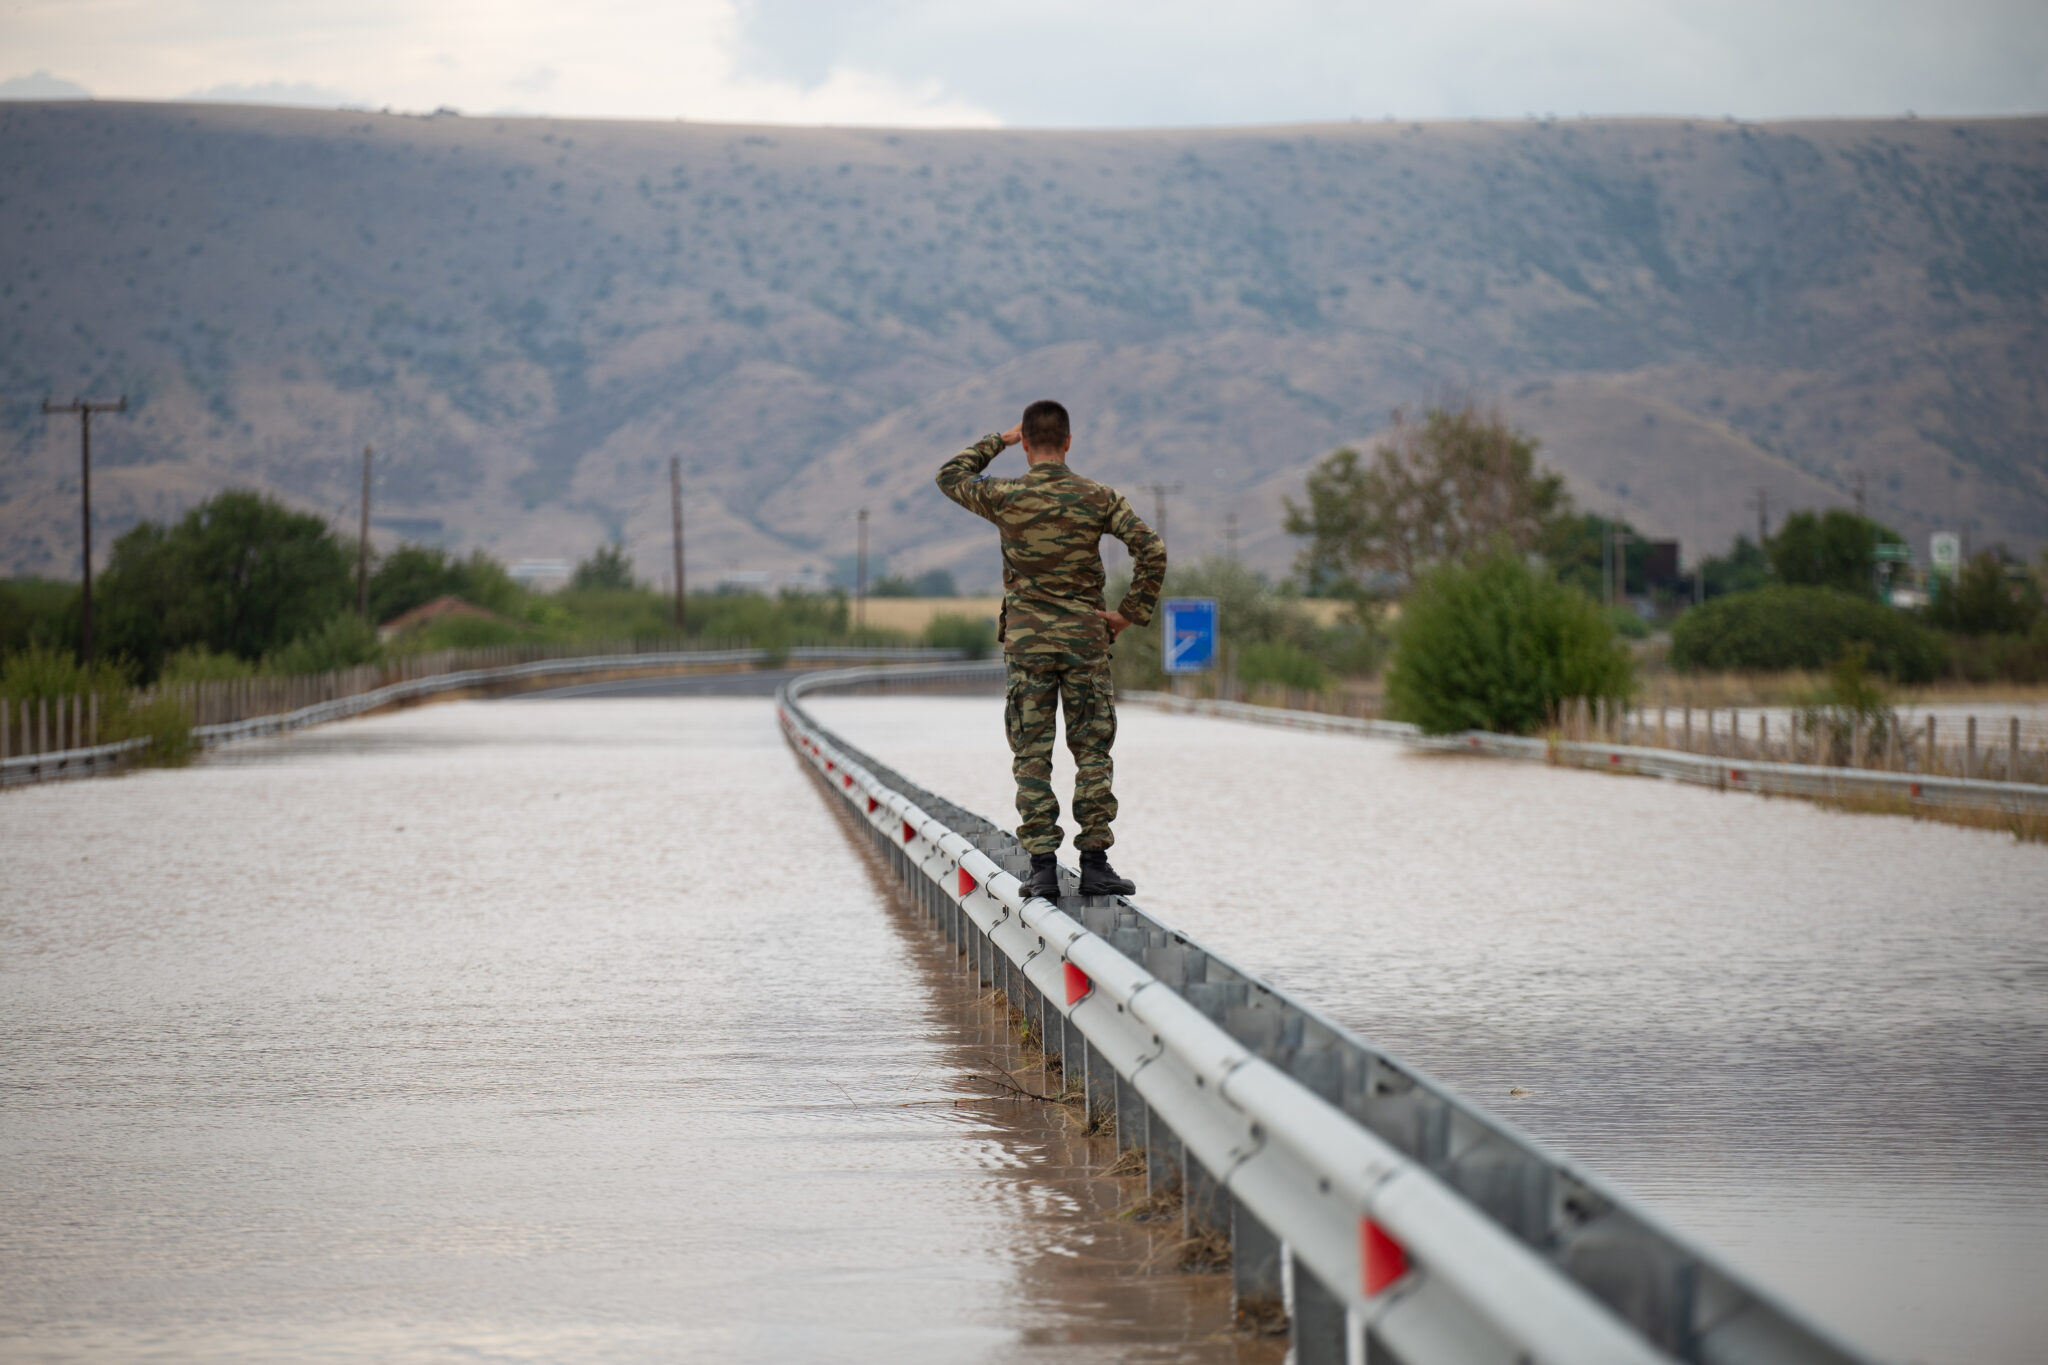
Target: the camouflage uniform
(1052, 522)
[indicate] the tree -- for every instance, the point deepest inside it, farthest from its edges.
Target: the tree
(1443, 489)
(1993, 595)
(609, 566)
(1786, 626)
(240, 574)
(1833, 549)
(1744, 568)
(413, 575)
(1493, 644)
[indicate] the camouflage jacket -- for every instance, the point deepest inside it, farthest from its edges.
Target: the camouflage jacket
(1052, 522)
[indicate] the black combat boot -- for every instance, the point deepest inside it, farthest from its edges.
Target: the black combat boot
(1098, 878)
(1044, 881)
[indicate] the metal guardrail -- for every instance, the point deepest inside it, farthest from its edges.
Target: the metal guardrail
(1392, 1217)
(103, 758)
(1727, 774)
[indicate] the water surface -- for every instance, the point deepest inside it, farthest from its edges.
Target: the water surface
(1818, 1041)
(521, 1031)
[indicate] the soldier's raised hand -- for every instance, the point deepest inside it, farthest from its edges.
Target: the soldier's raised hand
(1014, 436)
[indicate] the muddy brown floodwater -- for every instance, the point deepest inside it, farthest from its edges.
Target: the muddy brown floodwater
(526, 1031)
(1817, 1041)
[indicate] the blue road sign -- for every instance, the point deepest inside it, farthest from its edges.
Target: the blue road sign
(1189, 628)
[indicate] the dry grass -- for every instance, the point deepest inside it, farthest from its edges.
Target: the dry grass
(1665, 688)
(2024, 826)
(1207, 1252)
(1130, 1162)
(1161, 1207)
(1263, 1315)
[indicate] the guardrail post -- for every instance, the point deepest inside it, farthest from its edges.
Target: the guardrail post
(1204, 1204)
(1317, 1319)
(1163, 1156)
(1257, 1288)
(1098, 1080)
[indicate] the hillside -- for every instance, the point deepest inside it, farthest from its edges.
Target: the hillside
(528, 317)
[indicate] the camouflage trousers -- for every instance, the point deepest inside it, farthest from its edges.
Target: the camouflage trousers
(1080, 687)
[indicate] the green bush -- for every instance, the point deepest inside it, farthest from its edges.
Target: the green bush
(43, 672)
(1282, 663)
(165, 722)
(37, 611)
(1627, 623)
(345, 641)
(465, 632)
(2002, 658)
(1782, 627)
(197, 663)
(951, 630)
(1496, 645)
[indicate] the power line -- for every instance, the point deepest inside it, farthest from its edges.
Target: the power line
(85, 410)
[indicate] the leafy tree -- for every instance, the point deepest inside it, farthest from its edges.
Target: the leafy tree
(1798, 626)
(609, 566)
(930, 583)
(1993, 595)
(1575, 547)
(239, 574)
(37, 611)
(1744, 568)
(342, 641)
(1493, 644)
(1832, 549)
(1442, 489)
(414, 575)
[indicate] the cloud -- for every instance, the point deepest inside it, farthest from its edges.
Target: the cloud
(41, 85)
(602, 58)
(1061, 63)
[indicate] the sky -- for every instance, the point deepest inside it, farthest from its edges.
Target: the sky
(1046, 63)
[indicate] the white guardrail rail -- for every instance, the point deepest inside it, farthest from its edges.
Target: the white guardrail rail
(1727, 774)
(60, 764)
(1394, 1220)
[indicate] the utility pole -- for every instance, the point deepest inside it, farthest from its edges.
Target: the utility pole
(363, 546)
(1622, 540)
(675, 510)
(1762, 503)
(860, 577)
(85, 410)
(1160, 493)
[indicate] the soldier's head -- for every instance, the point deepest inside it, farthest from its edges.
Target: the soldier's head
(1046, 433)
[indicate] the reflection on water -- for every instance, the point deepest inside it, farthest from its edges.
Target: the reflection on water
(501, 1032)
(1819, 1041)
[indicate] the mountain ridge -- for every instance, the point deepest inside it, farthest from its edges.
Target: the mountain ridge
(527, 317)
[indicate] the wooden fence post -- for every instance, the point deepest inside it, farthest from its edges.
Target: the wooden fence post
(1970, 748)
(2012, 750)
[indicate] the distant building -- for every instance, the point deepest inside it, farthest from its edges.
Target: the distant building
(440, 608)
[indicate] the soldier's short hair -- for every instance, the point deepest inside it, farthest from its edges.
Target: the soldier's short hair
(1045, 426)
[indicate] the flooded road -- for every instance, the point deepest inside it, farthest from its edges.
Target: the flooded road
(1817, 1041)
(523, 1031)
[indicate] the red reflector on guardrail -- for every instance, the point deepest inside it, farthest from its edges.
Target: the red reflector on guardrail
(871, 805)
(1383, 1258)
(830, 765)
(1078, 983)
(967, 882)
(1916, 789)
(908, 832)
(847, 779)
(1735, 774)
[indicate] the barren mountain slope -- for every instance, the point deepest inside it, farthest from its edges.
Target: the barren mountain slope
(528, 317)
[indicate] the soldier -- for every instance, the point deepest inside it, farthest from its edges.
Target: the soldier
(1056, 633)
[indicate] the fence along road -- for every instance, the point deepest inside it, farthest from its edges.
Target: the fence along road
(1392, 1217)
(100, 759)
